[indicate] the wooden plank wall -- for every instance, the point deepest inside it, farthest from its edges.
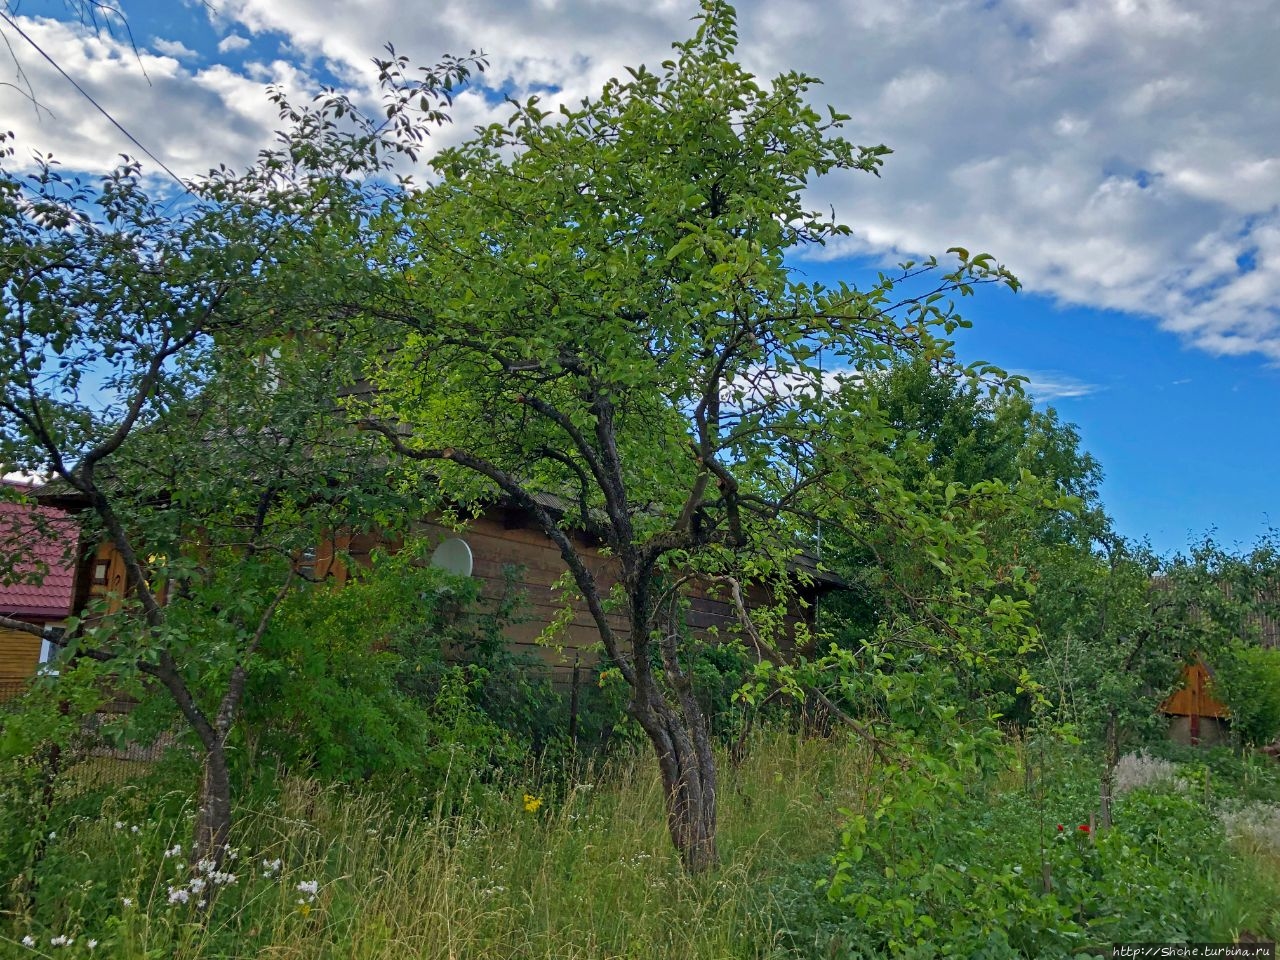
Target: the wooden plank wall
(19, 655)
(501, 544)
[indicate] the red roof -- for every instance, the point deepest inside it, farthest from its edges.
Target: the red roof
(39, 537)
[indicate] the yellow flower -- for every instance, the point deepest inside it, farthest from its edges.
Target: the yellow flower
(531, 803)
(304, 909)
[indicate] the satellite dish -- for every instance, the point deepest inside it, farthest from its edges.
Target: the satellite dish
(454, 556)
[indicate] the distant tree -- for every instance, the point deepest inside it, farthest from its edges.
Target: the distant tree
(941, 430)
(1119, 622)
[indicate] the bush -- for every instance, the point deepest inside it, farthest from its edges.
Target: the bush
(354, 684)
(1248, 680)
(939, 864)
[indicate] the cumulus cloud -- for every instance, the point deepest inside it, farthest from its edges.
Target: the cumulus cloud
(1123, 154)
(190, 119)
(173, 48)
(232, 42)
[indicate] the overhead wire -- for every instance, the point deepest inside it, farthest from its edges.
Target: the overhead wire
(16, 28)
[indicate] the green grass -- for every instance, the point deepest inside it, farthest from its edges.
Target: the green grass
(590, 874)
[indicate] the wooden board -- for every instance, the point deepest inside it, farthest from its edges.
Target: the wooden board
(1194, 699)
(19, 654)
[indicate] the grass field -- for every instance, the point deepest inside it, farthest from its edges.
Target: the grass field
(582, 869)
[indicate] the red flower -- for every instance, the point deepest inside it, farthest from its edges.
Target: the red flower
(1084, 828)
(1061, 828)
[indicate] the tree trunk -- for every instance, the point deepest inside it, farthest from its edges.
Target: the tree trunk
(1110, 762)
(688, 767)
(213, 816)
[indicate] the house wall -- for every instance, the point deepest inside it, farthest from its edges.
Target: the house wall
(1195, 696)
(19, 656)
(503, 542)
(1213, 731)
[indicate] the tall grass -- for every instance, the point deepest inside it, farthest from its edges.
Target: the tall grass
(589, 874)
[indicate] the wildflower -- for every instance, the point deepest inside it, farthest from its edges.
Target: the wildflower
(271, 867)
(61, 941)
(119, 825)
(309, 887)
(1061, 828)
(126, 902)
(532, 803)
(304, 908)
(53, 834)
(93, 944)
(29, 941)
(197, 885)
(134, 828)
(179, 895)
(1083, 828)
(174, 851)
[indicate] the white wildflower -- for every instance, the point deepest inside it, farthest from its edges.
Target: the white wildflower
(309, 887)
(126, 902)
(174, 851)
(134, 828)
(271, 867)
(119, 825)
(93, 944)
(197, 885)
(179, 895)
(29, 941)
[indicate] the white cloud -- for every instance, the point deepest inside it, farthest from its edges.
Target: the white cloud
(232, 42)
(1121, 154)
(173, 48)
(191, 119)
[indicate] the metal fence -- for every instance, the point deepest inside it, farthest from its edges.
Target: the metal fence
(11, 689)
(91, 759)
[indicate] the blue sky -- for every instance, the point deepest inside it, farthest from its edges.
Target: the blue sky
(1121, 156)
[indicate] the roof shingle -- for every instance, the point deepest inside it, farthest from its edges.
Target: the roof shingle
(40, 537)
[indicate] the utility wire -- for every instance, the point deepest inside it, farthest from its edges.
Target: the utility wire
(4, 15)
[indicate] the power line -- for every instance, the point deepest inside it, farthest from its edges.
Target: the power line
(85, 93)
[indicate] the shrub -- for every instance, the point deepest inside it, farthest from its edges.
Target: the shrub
(355, 685)
(939, 864)
(1143, 770)
(1248, 679)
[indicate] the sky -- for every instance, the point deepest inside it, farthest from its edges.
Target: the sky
(1122, 157)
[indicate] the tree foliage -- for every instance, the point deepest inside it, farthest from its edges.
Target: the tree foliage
(590, 313)
(143, 369)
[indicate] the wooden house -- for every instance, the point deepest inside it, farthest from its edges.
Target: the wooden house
(508, 552)
(1196, 716)
(41, 591)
